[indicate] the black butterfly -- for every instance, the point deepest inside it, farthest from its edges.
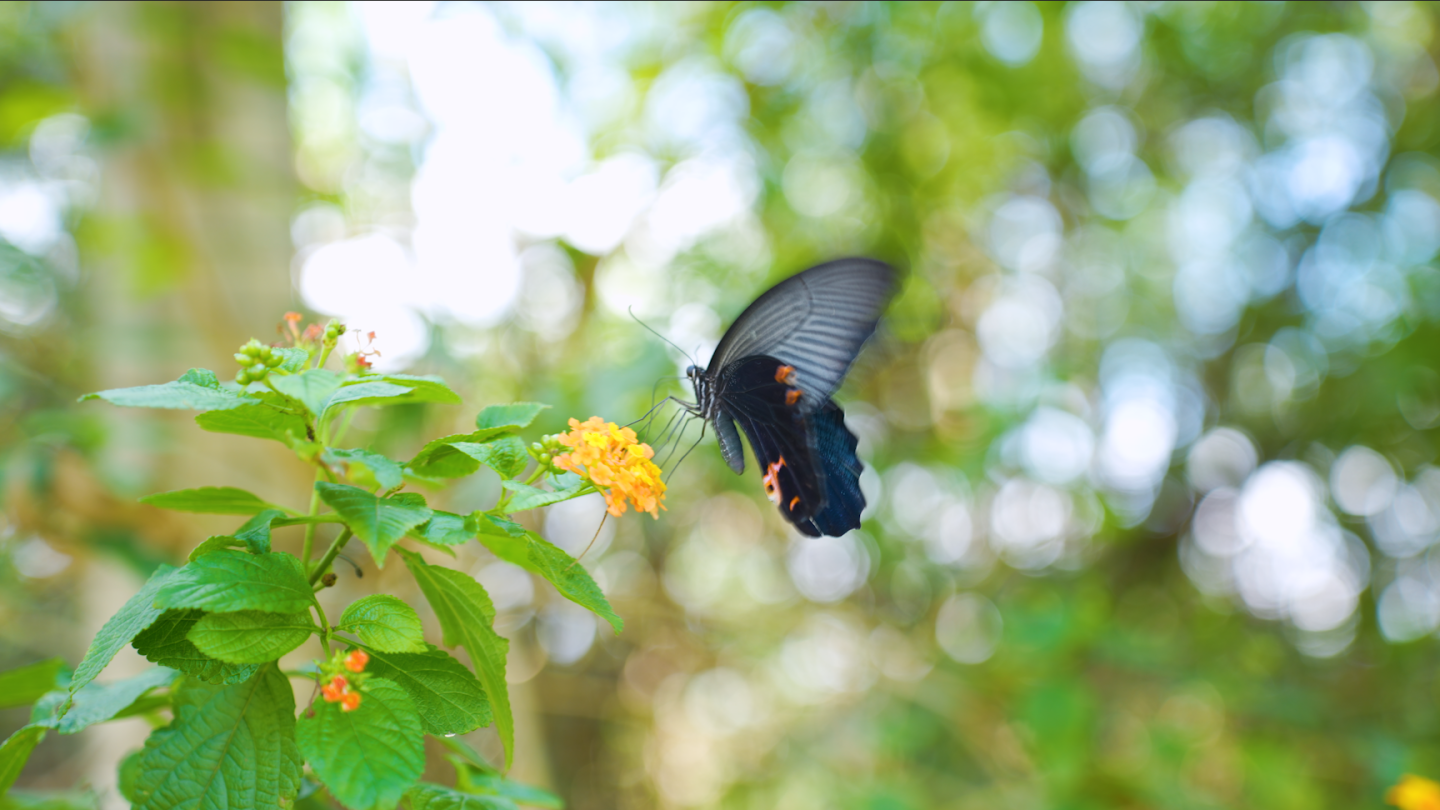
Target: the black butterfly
(774, 372)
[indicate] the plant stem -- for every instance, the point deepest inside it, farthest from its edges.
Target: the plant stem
(330, 554)
(324, 627)
(310, 529)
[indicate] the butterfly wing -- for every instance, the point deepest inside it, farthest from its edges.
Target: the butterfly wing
(807, 461)
(814, 321)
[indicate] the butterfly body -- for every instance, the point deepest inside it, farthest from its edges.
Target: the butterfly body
(772, 376)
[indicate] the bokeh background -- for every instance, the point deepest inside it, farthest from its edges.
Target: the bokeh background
(1149, 429)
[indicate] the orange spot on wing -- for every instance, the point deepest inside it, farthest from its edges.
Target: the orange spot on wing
(772, 481)
(792, 396)
(794, 501)
(784, 373)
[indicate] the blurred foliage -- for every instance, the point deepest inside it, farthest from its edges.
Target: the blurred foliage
(1150, 424)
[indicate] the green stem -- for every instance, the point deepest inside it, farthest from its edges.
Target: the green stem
(330, 555)
(325, 628)
(345, 426)
(310, 529)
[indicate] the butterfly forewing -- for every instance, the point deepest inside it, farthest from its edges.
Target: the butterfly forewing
(815, 321)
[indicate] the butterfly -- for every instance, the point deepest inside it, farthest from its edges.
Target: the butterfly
(772, 375)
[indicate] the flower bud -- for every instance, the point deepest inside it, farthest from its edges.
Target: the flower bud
(329, 579)
(275, 360)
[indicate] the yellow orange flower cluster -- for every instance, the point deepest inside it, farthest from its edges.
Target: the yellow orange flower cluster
(610, 458)
(1414, 793)
(339, 689)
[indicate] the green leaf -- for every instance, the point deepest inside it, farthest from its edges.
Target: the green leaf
(448, 696)
(368, 757)
(255, 534)
(15, 752)
(259, 421)
(422, 388)
(367, 393)
(250, 636)
(515, 791)
(528, 497)
(447, 529)
(96, 703)
(230, 580)
(466, 616)
(295, 358)
(166, 643)
(514, 416)
(440, 459)
(367, 469)
(428, 796)
(196, 391)
(385, 623)
(25, 685)
(129, 773)
(228, 747)
(214, 543)
(538, 555)
(464, 754)
(379, 522)
(209, 501)
(313, 388)
(503, 454)
(494, 524)
(137, 614)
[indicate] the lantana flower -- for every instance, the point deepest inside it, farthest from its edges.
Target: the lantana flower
(1414, 793)
(613, 460)
(342, 677)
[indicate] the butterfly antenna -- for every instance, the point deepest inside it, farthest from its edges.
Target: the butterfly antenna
(592, 541)
(631, 310)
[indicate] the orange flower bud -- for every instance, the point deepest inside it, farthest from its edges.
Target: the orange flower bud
(356, 661)
(350, 702)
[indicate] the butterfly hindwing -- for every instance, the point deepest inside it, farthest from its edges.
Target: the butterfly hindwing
(758, 394)
(834, 450)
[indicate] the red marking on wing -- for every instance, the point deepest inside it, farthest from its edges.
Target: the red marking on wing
(784, 373)
(792, 396)
(772, 481)
(794, 501)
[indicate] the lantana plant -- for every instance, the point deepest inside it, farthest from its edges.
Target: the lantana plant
(216, 627)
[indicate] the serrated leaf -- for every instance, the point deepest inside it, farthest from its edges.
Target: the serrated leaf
(385, 623)
(165, 643)
(255, 533)
(129, 775)
(448, 696)
(312, 388)
(229, 580)
(367, 469)
(423, 388)
(250, 636)
(197, 390)
(214, 543)
(538, 555)
(15, 752)
(515, 791)
(295, 358)
(514, 416)
(367, 393)
(379, 522)
(138, 613)
(228, 747)
(259, 421)
(440, 459)
(96, 703)
(209, 501)
(494, 524)
(447, 529)
(467, 616)
(504, 454)
(428, 796)
(528, 497)
(25, 685)
(368, 757)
